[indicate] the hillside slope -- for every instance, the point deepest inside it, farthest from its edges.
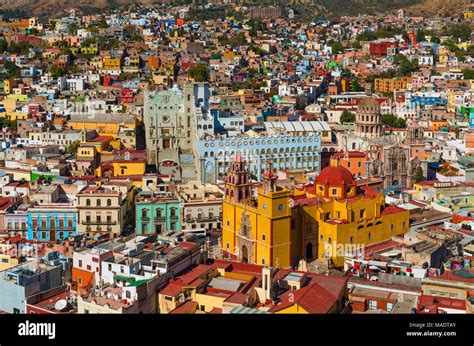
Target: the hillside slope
(54, 8)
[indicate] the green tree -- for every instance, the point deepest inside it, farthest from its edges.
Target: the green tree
(400, 123)
(72, 29)
(7, 123)
(468, 74)
(337, 48)
(461, 31)
(392, 121)
(355, 85)
(88, 42)
(419, 176)
(10, 70)
(347, 117)
(237, 40)
(19, 48)
(405, 66)
(103, 24)
(222, 39)
(420, 35)
(57, 71)
(199, 73)
(3, 46)
(72, 148)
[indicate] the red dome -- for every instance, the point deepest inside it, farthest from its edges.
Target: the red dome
(335, 176)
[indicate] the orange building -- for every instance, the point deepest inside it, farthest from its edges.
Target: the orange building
(389, 85)
(83, 278)
(469, 139)
(154, 62)
(436, 125)
(354, 161)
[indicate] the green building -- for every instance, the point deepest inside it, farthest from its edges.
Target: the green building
(157, 212)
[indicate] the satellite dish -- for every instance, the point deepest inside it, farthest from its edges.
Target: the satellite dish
(60, 305)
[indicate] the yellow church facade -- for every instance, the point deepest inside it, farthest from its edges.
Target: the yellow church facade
(333, 218)
(256, 230)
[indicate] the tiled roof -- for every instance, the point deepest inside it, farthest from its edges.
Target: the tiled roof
(312, 298)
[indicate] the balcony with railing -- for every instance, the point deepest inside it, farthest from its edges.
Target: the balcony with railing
(99, 222)
(159, 219)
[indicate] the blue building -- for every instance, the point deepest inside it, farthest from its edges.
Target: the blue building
(287, 152)
(227, 123)
(23, 281)
(51, 222)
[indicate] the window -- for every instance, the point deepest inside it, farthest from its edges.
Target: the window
(98, 203)
(79, 281)
(80, 263)
(391, 227)
(370, 235)
(403, 224)
(334, 192)
(88, 202)
(227, 245)
(263, 260)
(351, 240)
(263, 236)
(362, 213)
(389, 307)
(372, 305)
(110, 267)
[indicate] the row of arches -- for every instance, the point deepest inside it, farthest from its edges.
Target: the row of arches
(309, 149)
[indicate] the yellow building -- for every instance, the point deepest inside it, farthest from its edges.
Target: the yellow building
(90, 50)
(455, 99)
(9, 84)
(112, 64)
(333, 218)
(389, 85)
(122, 168)
(8, 261)
(104, 124)
(468, 15)
(346, 220)
(256, 230)
(16, 116)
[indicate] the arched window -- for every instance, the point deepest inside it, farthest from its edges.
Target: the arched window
(109, 202)
(98, 202)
